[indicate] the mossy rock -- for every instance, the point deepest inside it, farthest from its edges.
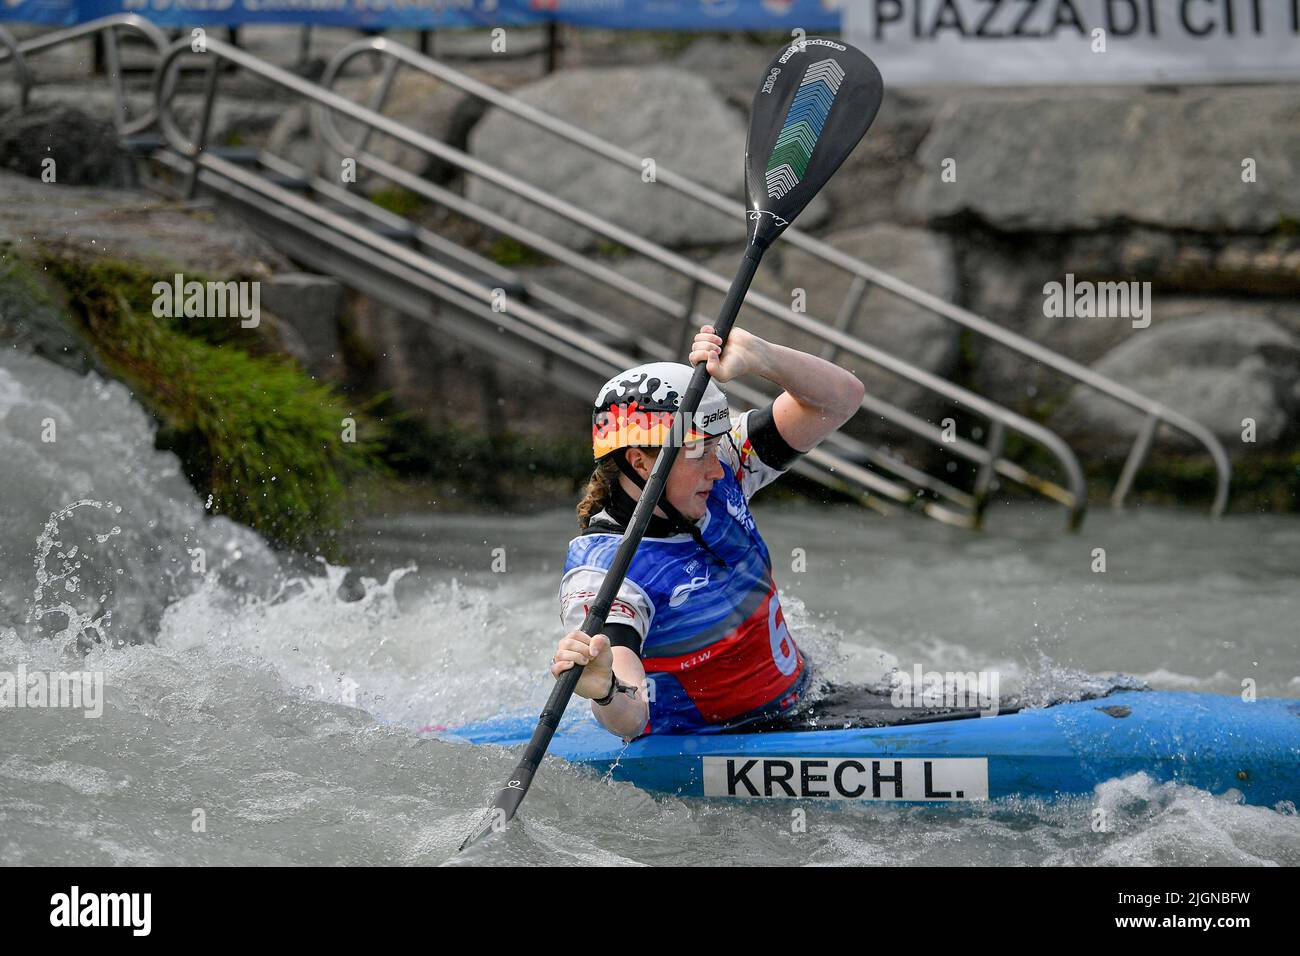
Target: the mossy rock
(251, 428)
(33, 319)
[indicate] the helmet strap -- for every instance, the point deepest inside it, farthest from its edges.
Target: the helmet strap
(676, 517)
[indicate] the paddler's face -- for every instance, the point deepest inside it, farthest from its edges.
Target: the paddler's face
(696, 469)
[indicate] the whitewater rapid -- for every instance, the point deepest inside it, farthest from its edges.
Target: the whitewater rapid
(264, 708)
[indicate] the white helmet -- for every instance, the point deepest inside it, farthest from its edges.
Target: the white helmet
(633, 409)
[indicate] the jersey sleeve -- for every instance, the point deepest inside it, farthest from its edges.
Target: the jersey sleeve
(755, 450)
(578, 589)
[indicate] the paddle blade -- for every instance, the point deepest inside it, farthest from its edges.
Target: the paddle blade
(815, 102)
(504, 806)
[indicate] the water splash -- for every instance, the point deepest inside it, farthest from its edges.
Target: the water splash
(84, 627)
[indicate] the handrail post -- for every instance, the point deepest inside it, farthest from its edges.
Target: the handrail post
(552, 45)
(20, 52)
(984, 477)
(379, 98)
(113, 63)
(205, 120)
(1134, 461)
(688, 317)
(304, 46)
(8, 42)
(848, 309)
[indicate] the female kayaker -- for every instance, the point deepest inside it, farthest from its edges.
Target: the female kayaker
(695, 641)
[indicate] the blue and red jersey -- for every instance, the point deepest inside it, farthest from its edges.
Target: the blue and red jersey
(714, 642)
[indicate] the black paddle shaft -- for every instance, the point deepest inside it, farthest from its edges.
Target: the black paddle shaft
(815, 102)
(509, 797)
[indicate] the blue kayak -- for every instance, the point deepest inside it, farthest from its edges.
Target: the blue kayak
(1214, 742)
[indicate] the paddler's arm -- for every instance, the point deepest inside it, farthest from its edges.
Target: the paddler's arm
(626, 714)
(818, 395)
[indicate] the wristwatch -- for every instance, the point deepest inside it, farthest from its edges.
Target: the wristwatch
(616, 686)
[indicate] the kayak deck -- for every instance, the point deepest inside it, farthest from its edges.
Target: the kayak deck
(1209, 741)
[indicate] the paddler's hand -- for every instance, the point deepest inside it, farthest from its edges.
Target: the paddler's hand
(594, 654)
(745, 353)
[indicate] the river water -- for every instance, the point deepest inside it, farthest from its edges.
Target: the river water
(260, 709)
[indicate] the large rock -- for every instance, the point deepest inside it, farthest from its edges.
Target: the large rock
(626, 311)
(1191, 275)
(235, 120)
(897, 327)
(243, 119)
(733, 63)
(1056, 164)
(161, 237)
(309, 308)
(426, 105)
(871, 185)
(1217, 369)
(84, 148)
(671, 116)
(31, 320)
(422, 103)
(132, 225)
(451, 385)
(891, 324)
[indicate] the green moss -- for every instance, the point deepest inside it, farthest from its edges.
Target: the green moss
(508, 251)
(1259, 483)
(1266, 482)
(401, 202)
(254, 431)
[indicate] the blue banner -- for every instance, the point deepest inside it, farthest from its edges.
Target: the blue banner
(785, 15)
(358, 14)
(55, 13)
(812, 16)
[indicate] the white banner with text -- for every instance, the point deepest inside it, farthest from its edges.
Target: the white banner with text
(1027, 42)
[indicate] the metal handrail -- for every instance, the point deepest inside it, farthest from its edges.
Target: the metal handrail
(164, 87)
(960, 446)
(7, 42)
(860, 270)
(108, 26)
(193, 149)
(646, 345)
(383, 256)
(1155, 413)
(1074, 498)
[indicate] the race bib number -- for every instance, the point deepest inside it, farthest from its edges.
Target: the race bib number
(783, 653)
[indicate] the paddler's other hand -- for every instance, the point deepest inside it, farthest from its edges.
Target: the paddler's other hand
(744, 353)
(594, 654)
